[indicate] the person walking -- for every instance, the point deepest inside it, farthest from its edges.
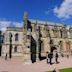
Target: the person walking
(47, 57)
(56, 57)
(68, 55)
(6, 56)
(50, 55)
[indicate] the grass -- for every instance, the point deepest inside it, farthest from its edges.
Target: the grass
(64, 70)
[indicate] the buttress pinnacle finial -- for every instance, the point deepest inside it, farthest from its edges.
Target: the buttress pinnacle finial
(25, 15)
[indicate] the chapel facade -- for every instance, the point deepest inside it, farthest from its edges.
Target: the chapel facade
(35, 38)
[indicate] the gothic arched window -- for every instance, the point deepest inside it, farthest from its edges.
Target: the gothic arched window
(10, 36)
(15, 49)
(55, 31)
(68, 46)
(42, 46)
(16, 36)
(61, 33)
(64, 32)
(61, 46)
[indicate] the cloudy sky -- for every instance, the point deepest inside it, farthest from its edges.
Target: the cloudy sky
(11, 11)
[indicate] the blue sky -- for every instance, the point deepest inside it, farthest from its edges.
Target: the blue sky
(52, 10)
(14, 9)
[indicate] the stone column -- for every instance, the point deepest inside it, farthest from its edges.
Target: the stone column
(26, 41)
(37, 42)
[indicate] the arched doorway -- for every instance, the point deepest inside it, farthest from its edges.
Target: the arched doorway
(61, 46)
(10, 46)
(68, 46)
(15, 49)
(33, 50)
(41, 50)
(52, 46)
(16, 37)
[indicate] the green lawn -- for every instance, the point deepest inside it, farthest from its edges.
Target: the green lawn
(65, 70)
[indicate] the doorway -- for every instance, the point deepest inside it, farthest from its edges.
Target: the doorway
(33, 50)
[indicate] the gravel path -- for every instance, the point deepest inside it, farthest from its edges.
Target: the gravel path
(17, 65)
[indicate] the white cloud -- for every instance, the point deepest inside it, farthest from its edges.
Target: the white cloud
(48, 11)
(65, 10)
(18, 24)
(5, 24)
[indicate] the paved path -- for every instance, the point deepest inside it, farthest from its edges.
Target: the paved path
(17, 65)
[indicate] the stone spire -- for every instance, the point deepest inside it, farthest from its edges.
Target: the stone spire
(26, 41)
(25, 19)
(25, 15)
(24, 34)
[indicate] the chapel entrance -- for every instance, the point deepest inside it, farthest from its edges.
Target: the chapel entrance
(33, 50)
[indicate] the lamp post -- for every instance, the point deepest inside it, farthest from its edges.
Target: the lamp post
(10, 49)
